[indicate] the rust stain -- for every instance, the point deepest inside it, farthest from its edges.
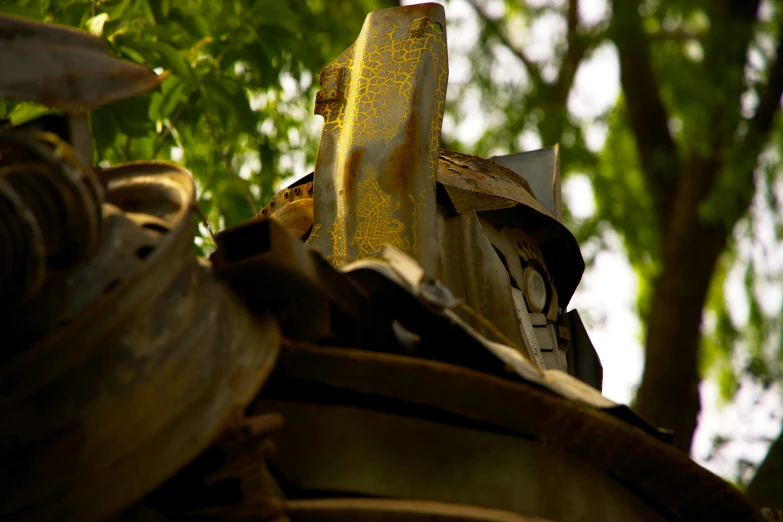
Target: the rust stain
(351, 170)
(402, 160)
(393, 80)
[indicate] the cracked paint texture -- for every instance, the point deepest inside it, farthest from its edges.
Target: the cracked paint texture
(382, 102)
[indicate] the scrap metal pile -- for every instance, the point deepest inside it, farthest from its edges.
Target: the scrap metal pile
(387, 340)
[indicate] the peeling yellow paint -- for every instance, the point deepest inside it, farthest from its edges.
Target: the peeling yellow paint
(382, 102)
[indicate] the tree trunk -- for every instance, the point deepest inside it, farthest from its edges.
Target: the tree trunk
(669, 394)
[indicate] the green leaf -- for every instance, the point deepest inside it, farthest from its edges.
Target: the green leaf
(217, 93)
(76, 14)
(277, 14)
(95, 24)
(13, 8)
(132, 54)
(160, 9)
(116, 10)
(173, 60)
(144, 147)
(232, 203)
(165, 103)
(195, 24)
(104, 128)
(173, 100)
(28, 111)
(132, 116)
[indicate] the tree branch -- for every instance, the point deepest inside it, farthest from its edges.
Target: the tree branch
(494, 27)
(165, 132)
(552, 96)
(735, 21)
(677, 35)
(769, 98)
(577, 48)
(759, 128)
(725, 59)
(650, 124)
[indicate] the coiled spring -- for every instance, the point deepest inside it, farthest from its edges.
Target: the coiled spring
(50, 211)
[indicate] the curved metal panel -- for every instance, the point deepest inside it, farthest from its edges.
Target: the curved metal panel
(393, 510)
(657, 470)
(352, 450)
(382, 103)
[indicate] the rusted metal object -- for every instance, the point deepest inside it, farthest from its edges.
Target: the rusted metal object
(153, 361)
(453, 395)
(428, 309)
(583, 361)
(272, 270)
(392, 510)
(478, 277)
(541, 169)
(347, 450)
(292, 207)
(382, 101)
(64, 68)
(495, 241)
(50, 197)
(229, 482)
(50, 211)
(481, 185)
(146, 207)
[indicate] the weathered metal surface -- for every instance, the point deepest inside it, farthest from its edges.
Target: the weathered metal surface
(292, 207)
(505, 199)
(474, 184)
(541, 169)
(64, 68)
(50, 212)
(230, 482)
(491, 270)
(485, 178)
(602, 437)
(583, 359)
(272, 270)
(382, 101)
(147, 201)
(477, 277)
(427, 308)
(516, 242)
(138, 382)
(346, 450)
(393, 510)
(531, 344)
(520, 255)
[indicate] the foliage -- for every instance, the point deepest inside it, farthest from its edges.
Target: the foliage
(236, 108)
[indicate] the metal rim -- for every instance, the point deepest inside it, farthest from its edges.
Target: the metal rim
(654, 469)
